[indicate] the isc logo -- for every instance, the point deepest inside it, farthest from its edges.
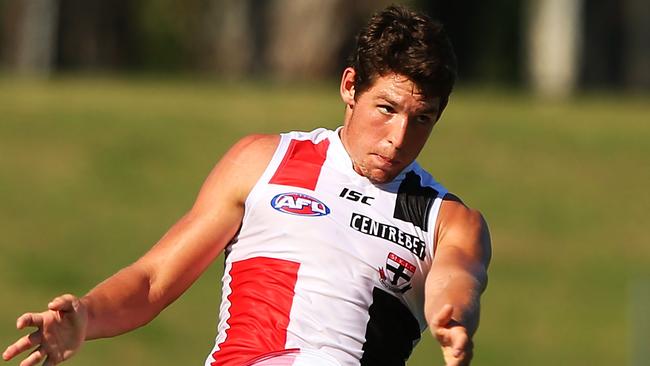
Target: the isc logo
(356, 196)
(299, 204)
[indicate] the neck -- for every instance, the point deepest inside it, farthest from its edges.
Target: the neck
(343, 132)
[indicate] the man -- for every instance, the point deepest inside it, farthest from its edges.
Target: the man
(340, 249)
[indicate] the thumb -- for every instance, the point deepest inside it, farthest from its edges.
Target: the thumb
(444, 316)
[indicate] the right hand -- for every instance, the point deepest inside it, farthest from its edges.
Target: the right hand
(60, 332)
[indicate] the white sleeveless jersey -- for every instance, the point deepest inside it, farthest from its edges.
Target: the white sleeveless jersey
(326, 261)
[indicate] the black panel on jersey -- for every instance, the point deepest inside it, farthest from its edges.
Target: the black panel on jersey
(391, 331)
(414, 201)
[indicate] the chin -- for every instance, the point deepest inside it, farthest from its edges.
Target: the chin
(380, 177)
(376, 175)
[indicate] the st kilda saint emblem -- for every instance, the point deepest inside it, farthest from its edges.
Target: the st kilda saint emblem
(397, 274)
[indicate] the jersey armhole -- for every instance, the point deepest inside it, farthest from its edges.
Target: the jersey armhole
(433, 222)
(278, 155)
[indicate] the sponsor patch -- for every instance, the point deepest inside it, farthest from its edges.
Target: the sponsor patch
(299, 204)
(366, 225)
(397, 275)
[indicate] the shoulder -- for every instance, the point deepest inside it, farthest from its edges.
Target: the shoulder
(241, 166)
(456, 215)
(248, 157)
(253, 147)
(464, 228)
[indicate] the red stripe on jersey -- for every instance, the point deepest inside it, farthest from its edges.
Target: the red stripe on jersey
(260, 303)
(285, 357)
(301, 164)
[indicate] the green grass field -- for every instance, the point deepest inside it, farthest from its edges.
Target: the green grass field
(93, 171)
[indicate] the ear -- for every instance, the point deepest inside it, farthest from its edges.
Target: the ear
(347, 86)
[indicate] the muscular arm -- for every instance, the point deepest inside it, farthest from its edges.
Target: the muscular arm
(457, 279)
(136, 294)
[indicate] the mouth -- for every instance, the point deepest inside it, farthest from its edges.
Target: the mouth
(390, 161)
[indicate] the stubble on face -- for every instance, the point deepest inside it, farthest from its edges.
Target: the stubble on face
(377, 178)
(364, 165)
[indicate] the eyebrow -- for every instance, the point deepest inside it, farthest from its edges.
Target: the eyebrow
(392, 102)
(387, 98)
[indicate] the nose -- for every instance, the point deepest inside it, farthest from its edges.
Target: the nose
(398, 130)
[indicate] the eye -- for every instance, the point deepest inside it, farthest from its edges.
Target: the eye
(385, 109)
(423, 119)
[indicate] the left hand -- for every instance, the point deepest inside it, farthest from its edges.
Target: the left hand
(455, 341)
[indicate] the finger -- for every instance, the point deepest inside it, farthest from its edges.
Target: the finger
(34, 358)
(444, 316)
(62, 303)
(444, 336)
(464, 360)
(29, 320)
(459, 342)
(22, 345)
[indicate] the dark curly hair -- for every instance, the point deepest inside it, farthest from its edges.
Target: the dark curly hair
(398, 40)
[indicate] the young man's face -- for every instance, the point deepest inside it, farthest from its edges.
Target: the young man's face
(386, 126)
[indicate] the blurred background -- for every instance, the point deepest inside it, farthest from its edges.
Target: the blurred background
(551, 45)
(113, 112)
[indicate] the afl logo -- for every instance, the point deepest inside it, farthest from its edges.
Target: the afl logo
(299, 204)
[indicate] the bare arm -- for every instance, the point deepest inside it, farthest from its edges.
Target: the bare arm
(457, 279)
(136, 294)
